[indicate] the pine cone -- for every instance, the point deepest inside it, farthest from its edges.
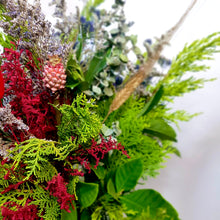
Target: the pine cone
(54, 74)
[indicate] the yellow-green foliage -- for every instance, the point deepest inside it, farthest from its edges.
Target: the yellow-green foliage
(190, 60)
(35, 153)
(133, 121)
(135, 141)
(79, 120)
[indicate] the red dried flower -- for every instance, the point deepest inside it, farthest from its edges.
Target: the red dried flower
(57, 188)
(2, 88)
(27, 212)
(74, 172)
(13, 186)
(98, 151)
(30, 100)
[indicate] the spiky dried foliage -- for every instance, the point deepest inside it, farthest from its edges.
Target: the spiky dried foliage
(146, 67)
(65, 23)
(7, 118)
(27, 23)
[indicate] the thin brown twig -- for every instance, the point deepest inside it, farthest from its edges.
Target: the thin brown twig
(146, 68)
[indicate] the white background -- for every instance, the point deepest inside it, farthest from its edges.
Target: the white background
(192, 183)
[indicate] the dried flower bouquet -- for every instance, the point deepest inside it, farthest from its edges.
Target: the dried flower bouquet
(80, 123)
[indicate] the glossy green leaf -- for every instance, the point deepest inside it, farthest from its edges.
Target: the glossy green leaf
(87, 193)
(74, 70)
(144, 200)
(97, 2)
(159, 128)
(69, 216)
(80, 47)
(74, 74)
(85, 215)
(152, 102)
(111, 189)
(97, 64)
(100, 172)
(128, 175)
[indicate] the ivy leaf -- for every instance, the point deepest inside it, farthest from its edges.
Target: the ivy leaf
(87, 193)
(159, 128)
(128, 174)
(69, 216)
(152, 102)
(148, 200)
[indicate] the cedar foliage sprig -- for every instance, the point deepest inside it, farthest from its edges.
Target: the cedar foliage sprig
(35, 154)
(179, 79)
(79, 120)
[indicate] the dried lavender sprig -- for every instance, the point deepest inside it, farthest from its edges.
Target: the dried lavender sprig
(28, 24)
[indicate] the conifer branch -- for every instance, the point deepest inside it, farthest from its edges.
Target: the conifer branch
(147, 67)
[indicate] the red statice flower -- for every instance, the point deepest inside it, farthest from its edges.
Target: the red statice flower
(57, 188)
(26, 212)
(2, 87)
(97, 151)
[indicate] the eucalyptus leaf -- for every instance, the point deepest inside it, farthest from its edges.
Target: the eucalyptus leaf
(87, 193)
(113, 61)
(144, 200)
(96, 90)
(123, 58)
(105, 83)
(106, 130)
(128, 174)
(114, 31)
(161, 129)
(108, 91)
(133, 39)
(103, 74)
